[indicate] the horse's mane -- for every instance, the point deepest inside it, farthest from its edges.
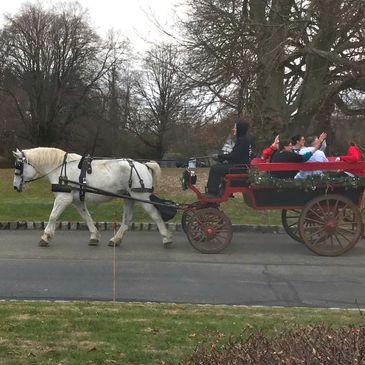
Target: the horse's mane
(44, 156)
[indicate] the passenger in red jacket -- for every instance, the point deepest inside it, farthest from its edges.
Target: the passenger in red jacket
(267, 152)
(353, 155)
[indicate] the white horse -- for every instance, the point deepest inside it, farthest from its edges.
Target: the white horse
(112, 175)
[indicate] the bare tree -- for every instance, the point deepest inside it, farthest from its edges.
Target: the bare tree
(162, 99)
(287, 62)
(52, 61)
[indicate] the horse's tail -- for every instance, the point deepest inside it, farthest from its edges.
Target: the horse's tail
(156, 171)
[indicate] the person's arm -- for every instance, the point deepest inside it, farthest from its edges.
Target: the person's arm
(267, 152)
(319, 142)
(305, 157)
(323, 146)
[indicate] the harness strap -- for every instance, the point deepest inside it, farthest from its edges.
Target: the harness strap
(63, 177)
(85, 167)
(142, 189)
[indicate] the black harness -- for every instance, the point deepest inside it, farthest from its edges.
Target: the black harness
(86, 168)
(142, 189)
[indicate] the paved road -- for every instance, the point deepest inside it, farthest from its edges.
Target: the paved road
(257, 269)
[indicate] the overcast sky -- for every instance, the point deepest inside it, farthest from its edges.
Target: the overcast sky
(128, 16)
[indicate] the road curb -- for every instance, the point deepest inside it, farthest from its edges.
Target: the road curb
(108, 226)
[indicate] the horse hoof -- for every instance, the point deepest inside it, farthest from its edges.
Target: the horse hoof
(93, 242)
(113, 244)
(43, 243)
(167, 244)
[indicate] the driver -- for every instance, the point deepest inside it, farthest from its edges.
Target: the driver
(241, 154)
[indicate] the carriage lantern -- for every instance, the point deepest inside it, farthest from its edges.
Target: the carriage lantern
(192, 164)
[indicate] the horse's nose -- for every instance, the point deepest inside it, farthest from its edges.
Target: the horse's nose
(16, 189)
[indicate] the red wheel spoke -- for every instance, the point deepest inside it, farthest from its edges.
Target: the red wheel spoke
(348, 222)
(316, 232)
(336, 206)
(328, 205)
(344, 230)
(318, 240)
(313, 220)
(332, 243)
(321, 208)
(339, 242)
(343, 236)
(313, 211)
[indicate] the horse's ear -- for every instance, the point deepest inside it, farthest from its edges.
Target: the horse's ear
(17, 153)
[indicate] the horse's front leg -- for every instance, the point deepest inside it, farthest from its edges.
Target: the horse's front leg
(60, 203)
(85, 215)
(155, 215)
(127, 219)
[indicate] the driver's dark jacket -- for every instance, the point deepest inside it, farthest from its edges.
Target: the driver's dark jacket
(241, 153)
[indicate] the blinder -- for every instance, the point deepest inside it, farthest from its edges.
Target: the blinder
(19, 167)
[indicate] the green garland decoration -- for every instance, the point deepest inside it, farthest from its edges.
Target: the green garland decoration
(310, 183)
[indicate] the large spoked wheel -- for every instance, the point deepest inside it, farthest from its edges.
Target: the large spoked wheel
(209, 230)
(185, 219)
(188, 213)
(330, 225)
(290, 221)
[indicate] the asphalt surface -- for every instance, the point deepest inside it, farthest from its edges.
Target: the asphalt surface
(256, 269)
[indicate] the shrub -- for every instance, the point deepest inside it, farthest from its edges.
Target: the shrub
(312, 345)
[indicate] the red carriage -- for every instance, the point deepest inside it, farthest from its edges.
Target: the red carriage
(322, 213)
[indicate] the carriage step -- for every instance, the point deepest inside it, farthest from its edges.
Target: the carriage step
(61, 188)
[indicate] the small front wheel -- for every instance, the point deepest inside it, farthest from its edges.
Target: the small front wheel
(209, 230)
(190, 211)
(185, 219)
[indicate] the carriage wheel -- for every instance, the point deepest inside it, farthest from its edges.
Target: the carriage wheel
(290, 221)
(185, 219)
(188, 213)
(209, 230)
(330, 225)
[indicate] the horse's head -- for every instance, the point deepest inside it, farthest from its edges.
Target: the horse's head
(24, 171)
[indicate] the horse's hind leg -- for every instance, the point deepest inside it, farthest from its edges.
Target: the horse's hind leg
(127, 219)
(155, 215)
(85, 215)
(60, 203)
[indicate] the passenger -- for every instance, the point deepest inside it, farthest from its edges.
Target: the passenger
(353, 155)
(286, 154)
(268, 152)
(298, 142)
(242, 153)
(318, 156)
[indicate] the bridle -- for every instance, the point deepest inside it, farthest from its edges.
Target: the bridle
(19, 169)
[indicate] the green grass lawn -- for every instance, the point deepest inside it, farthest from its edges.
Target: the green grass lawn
(36, 202)
(99, 333)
